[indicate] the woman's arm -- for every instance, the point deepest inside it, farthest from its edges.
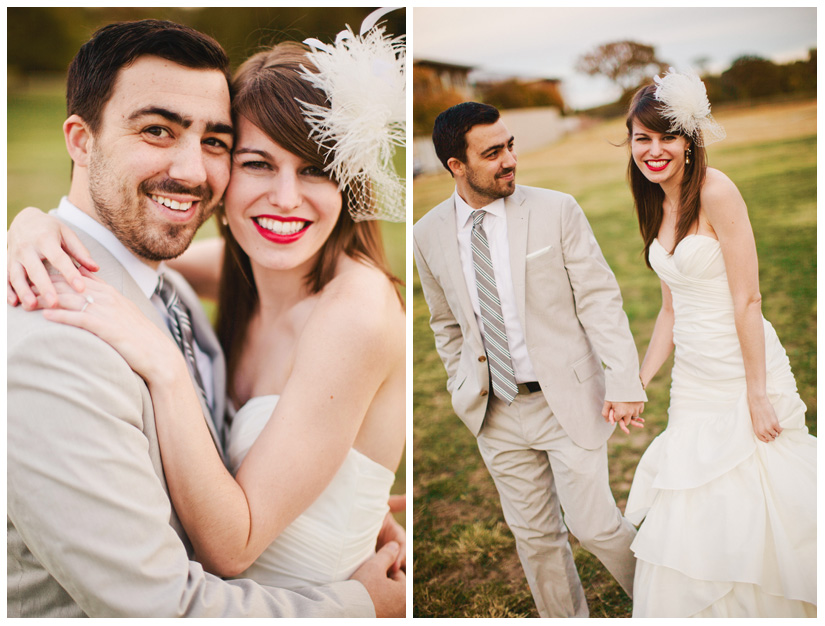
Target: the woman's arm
(201, 266)
(727, 213)
(343, 357)
(661, 341)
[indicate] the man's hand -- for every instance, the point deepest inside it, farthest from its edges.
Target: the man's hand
(624, 413)
(388, 591)
(393, 531)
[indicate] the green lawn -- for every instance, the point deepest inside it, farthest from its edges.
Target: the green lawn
(465, 562)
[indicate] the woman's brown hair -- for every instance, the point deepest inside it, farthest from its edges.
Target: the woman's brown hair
(267, 89)
(647, 196)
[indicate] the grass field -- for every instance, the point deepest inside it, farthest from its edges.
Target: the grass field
(465, 562)
(39, 170)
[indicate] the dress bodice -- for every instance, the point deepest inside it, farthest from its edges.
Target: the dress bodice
(704, 328)
(338, 531)
(696, 276)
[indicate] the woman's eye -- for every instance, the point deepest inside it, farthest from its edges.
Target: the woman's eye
(314, 172)
(255, 165)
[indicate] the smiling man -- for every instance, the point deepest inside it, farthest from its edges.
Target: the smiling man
(540, 361)
(91, 529)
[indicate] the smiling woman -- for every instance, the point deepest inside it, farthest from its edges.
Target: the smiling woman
(736, 458)
(317, 388)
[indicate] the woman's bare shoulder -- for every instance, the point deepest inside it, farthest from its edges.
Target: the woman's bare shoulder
(718, 185)
(363, 295)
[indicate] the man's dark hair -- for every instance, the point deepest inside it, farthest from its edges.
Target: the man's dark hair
(94, 69)
(451, 127)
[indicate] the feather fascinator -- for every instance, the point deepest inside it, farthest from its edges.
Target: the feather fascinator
(686, 106)
(364, 79)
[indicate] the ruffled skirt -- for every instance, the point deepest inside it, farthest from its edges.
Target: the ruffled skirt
(729, 521)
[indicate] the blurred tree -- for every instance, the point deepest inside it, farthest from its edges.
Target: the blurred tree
(519, 94)
(46, 38)
(626, 63)
(800, 76)
(37, 41)
(429, 99)
(751, 76)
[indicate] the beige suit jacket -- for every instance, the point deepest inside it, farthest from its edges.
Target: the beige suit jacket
(91, 530)
(569, 305)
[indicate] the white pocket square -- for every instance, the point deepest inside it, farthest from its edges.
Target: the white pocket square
(539, 252)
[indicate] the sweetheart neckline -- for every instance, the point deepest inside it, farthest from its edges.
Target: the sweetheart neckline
(656, 239)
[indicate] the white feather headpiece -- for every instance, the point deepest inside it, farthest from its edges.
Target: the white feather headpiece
(687, 108)
(364, 78)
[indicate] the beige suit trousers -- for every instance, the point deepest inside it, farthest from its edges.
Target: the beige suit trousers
(539, 472)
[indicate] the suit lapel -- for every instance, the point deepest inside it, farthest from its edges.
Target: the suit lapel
(115, 275)
(448, 234)
(517, 223)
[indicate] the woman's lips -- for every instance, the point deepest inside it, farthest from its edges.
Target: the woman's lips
(657, 166)
(281, 229)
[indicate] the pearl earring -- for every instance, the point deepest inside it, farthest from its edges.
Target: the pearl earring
(687, 156)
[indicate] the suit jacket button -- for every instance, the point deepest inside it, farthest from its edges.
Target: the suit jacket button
(484, 393)
(482, 358)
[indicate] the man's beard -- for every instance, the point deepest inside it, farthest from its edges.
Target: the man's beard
(124, 212)
(491, 191)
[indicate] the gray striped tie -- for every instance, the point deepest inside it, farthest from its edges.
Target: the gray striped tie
(181, 326)
(495, 338)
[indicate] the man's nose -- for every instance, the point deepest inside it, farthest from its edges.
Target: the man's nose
(189, 167)
(510, 159)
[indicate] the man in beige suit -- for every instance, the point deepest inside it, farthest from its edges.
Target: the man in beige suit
(540, 361)
(91, 530)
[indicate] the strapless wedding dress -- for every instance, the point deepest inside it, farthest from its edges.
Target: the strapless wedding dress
(337, 533)
(729, 521)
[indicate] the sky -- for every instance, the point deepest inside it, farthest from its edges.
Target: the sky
(546, 42)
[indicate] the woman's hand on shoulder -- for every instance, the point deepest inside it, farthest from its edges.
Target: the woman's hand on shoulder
(34, 239)
(107, 313)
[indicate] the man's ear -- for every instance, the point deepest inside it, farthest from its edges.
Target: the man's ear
(456, 166)
(78, 139)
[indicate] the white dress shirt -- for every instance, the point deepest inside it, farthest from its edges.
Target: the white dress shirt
(495, 226)
(145, 277)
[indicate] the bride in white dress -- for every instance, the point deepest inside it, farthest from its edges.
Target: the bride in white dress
(310, 320)
(728, 491)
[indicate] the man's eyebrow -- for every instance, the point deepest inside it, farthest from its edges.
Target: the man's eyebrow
(172, 116)
(180, 120)
(496, 147)
(220, 128)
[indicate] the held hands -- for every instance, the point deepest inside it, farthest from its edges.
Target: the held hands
(763, 416)
(35, 238)
(624, 414)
